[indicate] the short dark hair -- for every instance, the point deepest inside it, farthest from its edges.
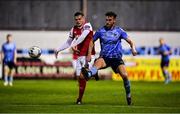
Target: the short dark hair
(8, 35)
(78, 13)
(111, 14)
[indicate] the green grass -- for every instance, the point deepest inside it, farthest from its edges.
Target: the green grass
(58, 96)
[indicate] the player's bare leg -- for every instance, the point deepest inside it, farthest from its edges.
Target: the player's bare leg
(82, 87)
(122, 71)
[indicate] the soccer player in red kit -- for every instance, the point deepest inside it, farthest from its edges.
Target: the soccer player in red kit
(80, 34)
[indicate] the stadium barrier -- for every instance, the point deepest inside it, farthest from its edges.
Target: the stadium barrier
(140, 68)
(145, 67)
(36, 68)
(142, 50)
(148, 69)
(39, 68)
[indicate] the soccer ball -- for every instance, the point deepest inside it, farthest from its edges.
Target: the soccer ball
(34, 52)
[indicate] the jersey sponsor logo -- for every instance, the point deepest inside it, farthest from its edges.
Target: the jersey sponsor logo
(111, 34)
(87, 27)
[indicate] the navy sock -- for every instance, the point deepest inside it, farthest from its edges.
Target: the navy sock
(127, 87)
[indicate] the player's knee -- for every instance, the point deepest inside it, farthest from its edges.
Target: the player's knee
(81, 76)
(6, 71)
(124, 75)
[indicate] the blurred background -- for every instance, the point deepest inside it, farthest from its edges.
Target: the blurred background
(46, 23)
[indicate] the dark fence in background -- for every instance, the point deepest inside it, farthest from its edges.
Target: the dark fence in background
(138, 14)
(162, 15)
(37, 14)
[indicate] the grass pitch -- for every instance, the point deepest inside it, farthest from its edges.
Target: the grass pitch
(59, 96)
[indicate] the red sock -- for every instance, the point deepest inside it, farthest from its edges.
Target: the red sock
(82, 86)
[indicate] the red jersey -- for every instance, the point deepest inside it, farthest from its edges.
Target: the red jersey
(84, 45)
(75, 56)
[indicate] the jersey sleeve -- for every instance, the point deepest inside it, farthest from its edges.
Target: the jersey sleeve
(123, 34)
(168, 47)
(160, 50)
(71, 33)
(80, 38)
(96, 35)
(65, 45)
(68, 42)
(87, 26)
(14, 47)
(2, 48)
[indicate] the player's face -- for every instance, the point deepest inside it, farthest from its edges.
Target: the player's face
(79, 20)
(161, 41)
(110, 21)
(9, 39)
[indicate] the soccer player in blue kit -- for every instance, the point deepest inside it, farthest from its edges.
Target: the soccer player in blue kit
(110, 37)
(8, 56)
(165, 52)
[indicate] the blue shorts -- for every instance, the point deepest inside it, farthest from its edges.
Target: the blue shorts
(164, 63)
(113, 63)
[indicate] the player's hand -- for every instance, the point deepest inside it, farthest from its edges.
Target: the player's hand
(56, 53)
(75, 49)
(88, 58)
(167, 53)
(134, 52)
(15, 61)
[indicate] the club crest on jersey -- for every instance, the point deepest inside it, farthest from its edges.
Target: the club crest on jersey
(86, 27)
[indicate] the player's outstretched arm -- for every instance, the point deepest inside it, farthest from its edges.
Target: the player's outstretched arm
(133, 48)
(80, 38)
(15, 56)
(169, 50)
(64, 46)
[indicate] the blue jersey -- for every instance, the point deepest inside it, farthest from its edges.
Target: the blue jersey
(162, 49)
(110, 41)
(8, 50)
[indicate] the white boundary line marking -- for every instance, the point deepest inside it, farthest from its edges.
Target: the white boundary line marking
(91, 105)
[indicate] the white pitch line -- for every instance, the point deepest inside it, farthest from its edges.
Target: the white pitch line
(120, 106)
(134, 106)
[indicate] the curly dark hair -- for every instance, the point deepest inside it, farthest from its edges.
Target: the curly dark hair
(111, 14)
